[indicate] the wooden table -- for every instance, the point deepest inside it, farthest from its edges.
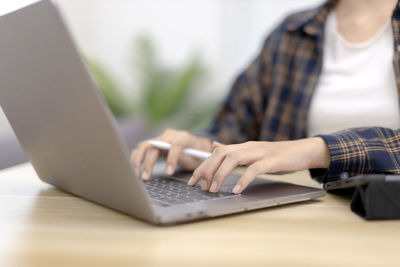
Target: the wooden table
(42, 226)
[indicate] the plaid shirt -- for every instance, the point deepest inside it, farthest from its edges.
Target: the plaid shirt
(271, 98)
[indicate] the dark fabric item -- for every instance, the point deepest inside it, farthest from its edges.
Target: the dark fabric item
(270, 100)
(377, 200)
(363, 151)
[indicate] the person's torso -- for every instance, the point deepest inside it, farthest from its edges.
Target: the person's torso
(357, 86)
(291, 72)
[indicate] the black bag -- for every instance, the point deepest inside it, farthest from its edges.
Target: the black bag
(377, 200)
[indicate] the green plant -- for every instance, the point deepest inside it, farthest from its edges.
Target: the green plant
(117, 102)
(164, 93)
(164, 90)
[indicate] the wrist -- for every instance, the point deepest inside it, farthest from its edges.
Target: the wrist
(320, 158)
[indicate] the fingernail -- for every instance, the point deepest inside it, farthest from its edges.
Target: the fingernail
(191, 181)
(214, 187)
(236, 189)
(169, 170)
(145, 175)
(203, 184)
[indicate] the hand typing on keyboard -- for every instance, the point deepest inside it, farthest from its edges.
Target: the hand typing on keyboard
(260, 157)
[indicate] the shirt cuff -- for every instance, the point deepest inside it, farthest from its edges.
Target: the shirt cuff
(347, 154)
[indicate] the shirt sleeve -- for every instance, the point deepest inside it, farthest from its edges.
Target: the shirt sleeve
(361, 151)
(241, 114)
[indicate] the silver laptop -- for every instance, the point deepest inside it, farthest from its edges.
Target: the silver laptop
(70, 136)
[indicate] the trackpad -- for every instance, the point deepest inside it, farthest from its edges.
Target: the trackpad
(233, 178)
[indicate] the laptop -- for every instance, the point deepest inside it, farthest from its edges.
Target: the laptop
(70, 136)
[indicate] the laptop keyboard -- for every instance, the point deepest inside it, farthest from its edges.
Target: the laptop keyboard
(165, 191)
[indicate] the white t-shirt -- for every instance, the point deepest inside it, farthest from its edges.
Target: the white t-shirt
(357, 85)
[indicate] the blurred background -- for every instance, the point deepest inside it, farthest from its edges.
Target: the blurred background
(161, 63)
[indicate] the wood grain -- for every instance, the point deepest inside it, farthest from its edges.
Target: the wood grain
(42, 226)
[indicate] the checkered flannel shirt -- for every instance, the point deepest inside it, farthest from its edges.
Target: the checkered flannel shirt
(270, 100)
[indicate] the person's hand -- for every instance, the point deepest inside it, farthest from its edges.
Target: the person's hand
(147, 155)
(260, 157)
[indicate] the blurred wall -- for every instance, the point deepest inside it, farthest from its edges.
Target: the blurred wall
(226, 33)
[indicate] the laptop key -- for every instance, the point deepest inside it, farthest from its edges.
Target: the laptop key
(166, 192)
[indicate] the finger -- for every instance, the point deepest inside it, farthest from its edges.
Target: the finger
(139, 153)
(206, 170)
(133, 156)
(149, 161)
(230, 162)
(173, 156)
(251, 172)
(178, 143)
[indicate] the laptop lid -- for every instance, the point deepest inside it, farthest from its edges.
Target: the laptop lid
(58, 115)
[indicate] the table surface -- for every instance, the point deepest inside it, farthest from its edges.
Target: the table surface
(42, 226)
